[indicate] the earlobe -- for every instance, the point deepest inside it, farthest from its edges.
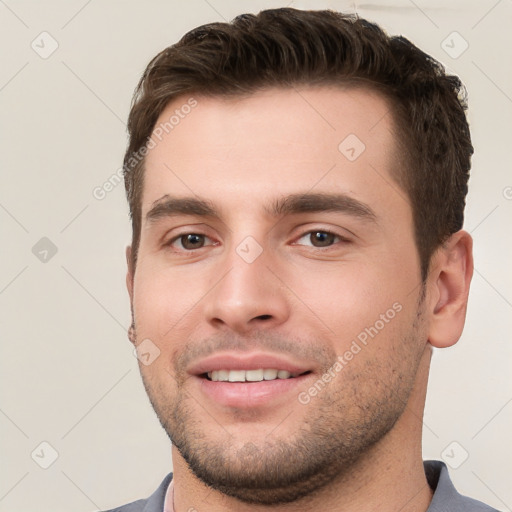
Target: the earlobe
(452, 269)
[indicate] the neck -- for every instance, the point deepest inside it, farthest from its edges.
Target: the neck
(389, 477)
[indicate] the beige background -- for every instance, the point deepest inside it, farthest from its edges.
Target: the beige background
(68, 376)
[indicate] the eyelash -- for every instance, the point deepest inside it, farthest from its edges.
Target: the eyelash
(177, 237)
(327, 232)
(339, 238)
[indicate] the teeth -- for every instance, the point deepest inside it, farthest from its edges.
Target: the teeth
(220, 375)
(254, 375)
(236, 376)
(270, 374)
(249, 375)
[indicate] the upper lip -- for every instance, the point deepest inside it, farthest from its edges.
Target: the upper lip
(246, 361)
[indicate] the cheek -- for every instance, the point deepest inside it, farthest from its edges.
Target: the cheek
(165, 301)
(361, 301)
(155, 306)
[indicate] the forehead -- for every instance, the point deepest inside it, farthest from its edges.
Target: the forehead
(273, 141)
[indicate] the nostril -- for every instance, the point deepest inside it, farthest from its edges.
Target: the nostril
(264, 317)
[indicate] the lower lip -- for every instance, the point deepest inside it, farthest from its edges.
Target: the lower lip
(246, 395)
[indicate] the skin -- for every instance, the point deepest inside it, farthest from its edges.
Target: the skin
(305, 303)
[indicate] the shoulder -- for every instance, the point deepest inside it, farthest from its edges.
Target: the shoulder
(155, 503)
(446, 497)
(135, 506)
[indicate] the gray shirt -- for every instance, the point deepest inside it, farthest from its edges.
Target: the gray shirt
(445, 499)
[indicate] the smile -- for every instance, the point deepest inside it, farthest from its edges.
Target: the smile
(257, 375)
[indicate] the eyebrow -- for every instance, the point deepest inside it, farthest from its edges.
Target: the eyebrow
(168, 206)
(321, 202)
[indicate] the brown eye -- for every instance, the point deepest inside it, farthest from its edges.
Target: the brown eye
(322, 238)
(191, 241)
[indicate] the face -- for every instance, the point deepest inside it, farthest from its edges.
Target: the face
(278, 277)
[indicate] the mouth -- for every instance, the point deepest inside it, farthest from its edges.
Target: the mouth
(257, 375)
(247, 380)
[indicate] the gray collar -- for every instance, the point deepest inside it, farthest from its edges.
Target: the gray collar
(446, 498)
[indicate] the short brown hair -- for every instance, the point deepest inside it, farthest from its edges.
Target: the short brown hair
(288, 47)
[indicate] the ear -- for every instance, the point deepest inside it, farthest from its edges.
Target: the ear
(129, 273)
(129, 286)
(449, 280)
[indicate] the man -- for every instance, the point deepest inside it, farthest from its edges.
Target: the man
(296, 183)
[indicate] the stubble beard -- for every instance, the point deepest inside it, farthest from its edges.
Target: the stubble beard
(342, 425)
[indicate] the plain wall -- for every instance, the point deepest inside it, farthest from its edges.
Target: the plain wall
(68, 375)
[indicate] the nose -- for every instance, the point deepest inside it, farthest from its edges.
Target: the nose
(249, 296)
